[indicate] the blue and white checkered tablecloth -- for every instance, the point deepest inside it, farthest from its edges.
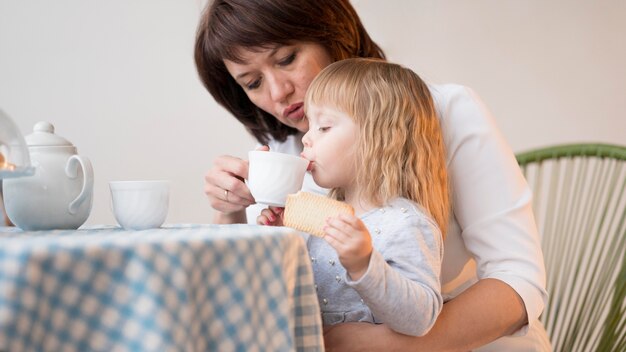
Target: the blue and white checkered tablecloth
(177, 288)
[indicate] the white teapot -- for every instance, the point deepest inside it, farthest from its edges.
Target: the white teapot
(60, 193)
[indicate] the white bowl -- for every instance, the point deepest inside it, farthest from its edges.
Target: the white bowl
(140, 205)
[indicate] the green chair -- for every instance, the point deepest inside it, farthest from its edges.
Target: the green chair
(580, 207)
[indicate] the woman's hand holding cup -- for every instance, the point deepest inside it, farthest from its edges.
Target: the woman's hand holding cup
(224, 184)
(225, 187)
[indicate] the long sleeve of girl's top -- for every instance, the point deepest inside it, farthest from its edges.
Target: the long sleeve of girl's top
(492, 201)
(401, 286)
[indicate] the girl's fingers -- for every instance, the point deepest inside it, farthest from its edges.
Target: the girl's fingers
(351, 220)
(340, 225)
(269, 214)
(332, 241)
(277, 210)
(333, 236)
(262, 220)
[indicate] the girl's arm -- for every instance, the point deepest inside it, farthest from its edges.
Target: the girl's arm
(401, 285)
(484, 312)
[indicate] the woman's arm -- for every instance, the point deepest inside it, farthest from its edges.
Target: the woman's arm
(230, 218)
(484, 312)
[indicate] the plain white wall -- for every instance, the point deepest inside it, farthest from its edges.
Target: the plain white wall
(117, 78)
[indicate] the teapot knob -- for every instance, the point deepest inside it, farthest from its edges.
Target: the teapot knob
(43, 126)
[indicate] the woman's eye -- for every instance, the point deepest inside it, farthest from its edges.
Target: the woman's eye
(286, 61)
(253, 85)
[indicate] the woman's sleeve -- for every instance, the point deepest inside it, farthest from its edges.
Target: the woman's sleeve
(491, 199)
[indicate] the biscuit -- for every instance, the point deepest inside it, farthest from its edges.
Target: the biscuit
(308, 212)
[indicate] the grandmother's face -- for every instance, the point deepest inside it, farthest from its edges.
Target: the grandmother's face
(276, 79)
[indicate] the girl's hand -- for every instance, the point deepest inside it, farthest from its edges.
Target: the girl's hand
(272, 216)
(349, 237)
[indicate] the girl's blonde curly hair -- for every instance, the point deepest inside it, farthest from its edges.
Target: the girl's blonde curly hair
(400, 145)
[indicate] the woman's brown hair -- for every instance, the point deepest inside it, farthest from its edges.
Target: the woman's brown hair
(227, 25)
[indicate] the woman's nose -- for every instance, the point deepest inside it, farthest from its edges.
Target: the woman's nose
(280, 87)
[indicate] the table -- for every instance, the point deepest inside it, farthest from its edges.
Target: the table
(177, 288)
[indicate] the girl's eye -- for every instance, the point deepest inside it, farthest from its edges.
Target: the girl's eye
(289, 59)
(323, 129)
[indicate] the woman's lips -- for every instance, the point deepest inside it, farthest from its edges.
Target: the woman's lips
(294, 111)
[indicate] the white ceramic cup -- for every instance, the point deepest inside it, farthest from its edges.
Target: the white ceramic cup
(272, 176)
(140, 205)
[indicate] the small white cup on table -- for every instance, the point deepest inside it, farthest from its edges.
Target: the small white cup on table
(272, 176)
(140, 205)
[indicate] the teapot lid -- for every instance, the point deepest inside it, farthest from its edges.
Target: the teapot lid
(43, 135)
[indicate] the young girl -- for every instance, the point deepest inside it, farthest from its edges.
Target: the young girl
(383, 265)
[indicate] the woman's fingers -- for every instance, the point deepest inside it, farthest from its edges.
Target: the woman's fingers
(229, 173)
(232, 165)
(224, 185)
(218, 193)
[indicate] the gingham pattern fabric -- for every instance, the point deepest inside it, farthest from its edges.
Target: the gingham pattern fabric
(177, 288)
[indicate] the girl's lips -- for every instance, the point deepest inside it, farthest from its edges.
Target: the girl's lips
(294, 111)
(310, 166)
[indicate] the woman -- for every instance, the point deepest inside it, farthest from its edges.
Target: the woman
(258, 57)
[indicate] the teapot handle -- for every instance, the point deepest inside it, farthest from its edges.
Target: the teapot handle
(71, 170)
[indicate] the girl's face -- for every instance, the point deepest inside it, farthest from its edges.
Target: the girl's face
(276, 79)
(330, 146)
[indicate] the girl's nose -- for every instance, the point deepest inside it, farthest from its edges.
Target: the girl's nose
(306, 140)
(280, 87)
